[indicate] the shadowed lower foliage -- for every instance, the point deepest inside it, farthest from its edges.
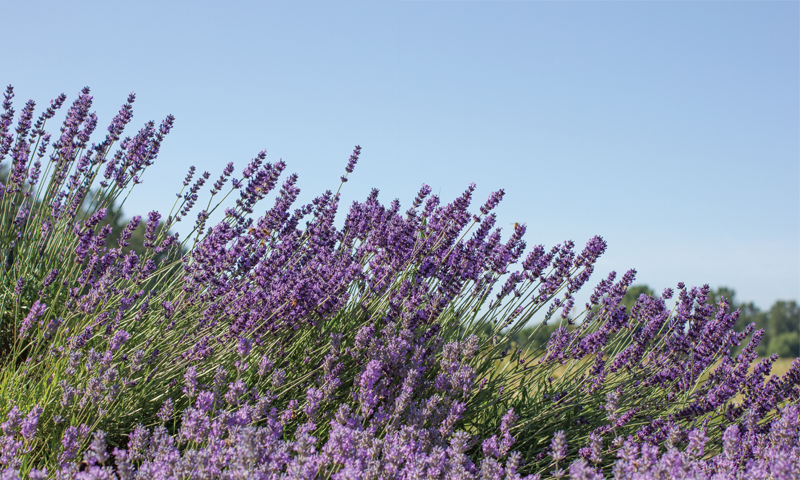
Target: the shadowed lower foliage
(273, 344)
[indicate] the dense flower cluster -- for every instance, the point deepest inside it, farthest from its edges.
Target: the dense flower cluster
(750, 451)
(223, 443)
(260, 348)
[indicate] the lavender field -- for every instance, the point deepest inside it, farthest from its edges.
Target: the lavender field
(273, 344)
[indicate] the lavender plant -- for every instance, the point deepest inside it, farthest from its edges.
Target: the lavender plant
(274, 344)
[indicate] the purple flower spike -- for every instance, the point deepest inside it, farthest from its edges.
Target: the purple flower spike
(70, 444)
(97, 453)
(150, 230)
(190, 382)
(243, 347)
(37, 310)
(351, 163)
(189, 176)
(612, 400)
(558, 446)
(120, 337)
(166, 411)
(493, 201)
(581, 470)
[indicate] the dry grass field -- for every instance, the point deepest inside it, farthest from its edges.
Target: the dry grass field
(782, 366)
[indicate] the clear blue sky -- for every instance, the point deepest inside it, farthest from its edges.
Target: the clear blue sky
(669, 128)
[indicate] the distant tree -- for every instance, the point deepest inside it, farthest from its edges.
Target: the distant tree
(783, 325)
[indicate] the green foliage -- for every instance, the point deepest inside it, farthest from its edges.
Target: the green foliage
(783, 325)
(783, 317)
(785, 344)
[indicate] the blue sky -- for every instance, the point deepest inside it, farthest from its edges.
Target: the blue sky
(669, 128)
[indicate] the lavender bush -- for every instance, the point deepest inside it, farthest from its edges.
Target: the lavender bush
(273, 344)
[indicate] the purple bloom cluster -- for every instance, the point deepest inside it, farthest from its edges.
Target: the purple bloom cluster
(770, 451)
